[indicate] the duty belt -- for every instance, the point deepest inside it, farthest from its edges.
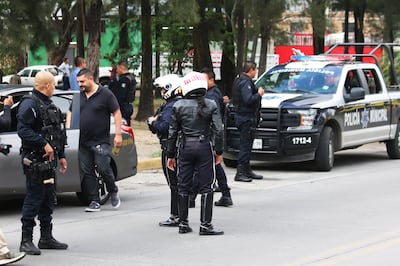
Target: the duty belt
(198, 138)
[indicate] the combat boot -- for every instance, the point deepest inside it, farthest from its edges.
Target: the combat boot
(241, 175)
(183, 214)
(27, 245)
(251, 174)
(192, 200)
(47, 241)
(225, 199)
(206, 227)
(173, 220)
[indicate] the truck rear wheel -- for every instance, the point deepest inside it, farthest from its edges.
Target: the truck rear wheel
(392, 146)
(324, 156)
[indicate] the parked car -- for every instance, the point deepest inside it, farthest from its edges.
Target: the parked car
(12, 181)
(27, 75)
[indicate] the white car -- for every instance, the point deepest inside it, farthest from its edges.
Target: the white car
(27, 75)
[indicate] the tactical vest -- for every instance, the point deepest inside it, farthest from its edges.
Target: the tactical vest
(53, 129)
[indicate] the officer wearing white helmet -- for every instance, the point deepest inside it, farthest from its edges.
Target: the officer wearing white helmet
(170, 86)
(198, 121)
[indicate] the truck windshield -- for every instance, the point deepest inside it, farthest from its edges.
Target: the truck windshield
(300, 80)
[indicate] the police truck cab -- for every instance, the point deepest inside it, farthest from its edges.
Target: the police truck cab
(316, 105)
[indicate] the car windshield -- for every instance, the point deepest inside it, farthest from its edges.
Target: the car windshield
(300, 80)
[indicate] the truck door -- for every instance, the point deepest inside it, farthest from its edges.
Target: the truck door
(379, 106)
(355, 113)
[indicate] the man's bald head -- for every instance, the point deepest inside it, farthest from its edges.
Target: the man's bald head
(44, 82)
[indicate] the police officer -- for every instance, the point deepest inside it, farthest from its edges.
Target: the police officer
(124, 88)
(159, 124)
(198, 121)
(41, 128)
(215, 94)
(247, 99)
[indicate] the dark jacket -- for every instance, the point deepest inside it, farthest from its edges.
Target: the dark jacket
(185, 120)
(5, 119)
(30, 123)
(215, 94)
(245, 96)
(161, 125)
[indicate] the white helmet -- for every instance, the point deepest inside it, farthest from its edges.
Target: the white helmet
(171, 83)
(194, 83)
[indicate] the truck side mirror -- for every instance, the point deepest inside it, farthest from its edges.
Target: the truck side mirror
(356, 93)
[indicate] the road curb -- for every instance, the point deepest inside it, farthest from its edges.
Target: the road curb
(149, 164)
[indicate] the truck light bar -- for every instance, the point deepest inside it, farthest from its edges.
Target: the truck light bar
(336, 58)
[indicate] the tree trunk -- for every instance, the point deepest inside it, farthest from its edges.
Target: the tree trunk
(80, 29)
(241, 36)
(359, 10)
(318, 25)
(228, 56)
(265, 35)
(94, 27)
(65, 33)
(123, 30)
(202, 57)
(157, 92)
(146, 105)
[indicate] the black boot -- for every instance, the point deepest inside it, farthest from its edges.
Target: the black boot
(192, 200)
(251, 174)
(225, 199)
(27, 245)
(173, 220)
(241, 175)
(47, 241)
(206, 228)
(183, 215)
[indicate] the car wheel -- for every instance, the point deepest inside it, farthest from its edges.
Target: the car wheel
(392, 146)
(324, 156)
(230, 163)
(103, 193)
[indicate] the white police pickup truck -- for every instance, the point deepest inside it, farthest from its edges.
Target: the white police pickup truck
(316, 105)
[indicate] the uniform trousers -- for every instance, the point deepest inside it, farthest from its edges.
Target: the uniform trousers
(247, 126)
(195, 155)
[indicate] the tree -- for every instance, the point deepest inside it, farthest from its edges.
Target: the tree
(318, 8)
(202, 57)
(146, 105)
(93, 23)
(64, 30)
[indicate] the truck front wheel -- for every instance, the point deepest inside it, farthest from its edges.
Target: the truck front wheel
(324, 156)
(392, 146)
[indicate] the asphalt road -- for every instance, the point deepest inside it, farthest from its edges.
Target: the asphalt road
(294, 216)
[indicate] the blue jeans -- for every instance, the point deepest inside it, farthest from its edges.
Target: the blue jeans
(96, 157)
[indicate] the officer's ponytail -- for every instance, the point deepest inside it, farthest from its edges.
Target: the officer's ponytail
(200, 105)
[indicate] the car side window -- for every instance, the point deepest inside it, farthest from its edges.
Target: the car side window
(34, 72)
(374, 86)
(25, 73)
(352, 81)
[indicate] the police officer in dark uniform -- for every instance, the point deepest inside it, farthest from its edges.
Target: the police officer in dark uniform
(41, 129)
(159, 124)
(198, 121)
(215, 94)
(124, 88)
(247, 100)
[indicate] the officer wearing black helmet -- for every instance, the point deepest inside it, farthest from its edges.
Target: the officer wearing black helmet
(198, 121)
(41, 128)
(159, 124)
